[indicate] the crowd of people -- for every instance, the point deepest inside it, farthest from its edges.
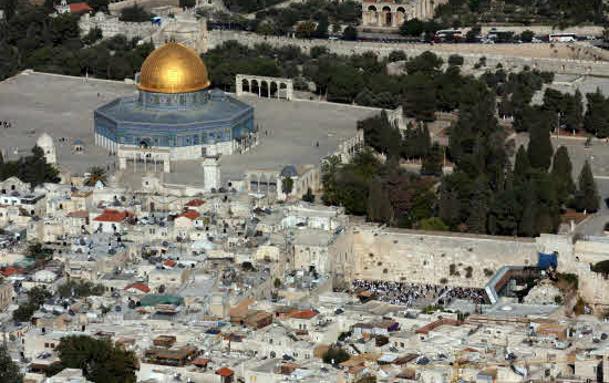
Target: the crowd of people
(463, 293)
(6, 124)
(413, 294)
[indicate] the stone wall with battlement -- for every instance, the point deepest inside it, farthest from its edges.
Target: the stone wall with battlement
(572, 59)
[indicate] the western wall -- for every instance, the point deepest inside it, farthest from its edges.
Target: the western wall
(573, 59)
(367, 251)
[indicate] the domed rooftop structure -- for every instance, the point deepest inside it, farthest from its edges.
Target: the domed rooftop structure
(173, 68)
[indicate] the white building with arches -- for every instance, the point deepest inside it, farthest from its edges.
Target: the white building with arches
(263, 86)
(392, 13)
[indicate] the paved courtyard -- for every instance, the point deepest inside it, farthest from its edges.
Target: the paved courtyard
(63, 106)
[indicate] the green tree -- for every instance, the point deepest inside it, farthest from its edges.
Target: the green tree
(573, 113)
(540, 147)
(350, 33)
(9, 371)
(527, 36)
(99, 359)
(527, 226)
(455, 60)
(596, 119)
(287, 184)
(321, 30)
(305, 29)
(561, 173)
(379, 206)
(587, 198)
(522, 167)
(345, 83)
(93, 36)
(477, 219)
(419, 100)
(335, 355)
(433, 224)
(9, 7)
(135, 14)
(412, 27)
(396, 56)
(432, 162)
(309, 196)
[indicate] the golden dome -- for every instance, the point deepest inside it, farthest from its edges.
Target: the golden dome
(173, 68)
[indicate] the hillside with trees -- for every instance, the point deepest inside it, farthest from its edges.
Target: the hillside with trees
(560, 13)
(32, 39)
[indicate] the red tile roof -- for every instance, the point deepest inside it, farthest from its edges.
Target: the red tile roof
(139, 286)
(195, 202)
(111, 215)
(225, 372)
(170, 263)
(303, 314)
(80, 8)
(8, 271)
(200, 362)
(190, 214)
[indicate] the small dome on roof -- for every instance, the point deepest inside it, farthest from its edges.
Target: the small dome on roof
(289, 171)
(44, 140)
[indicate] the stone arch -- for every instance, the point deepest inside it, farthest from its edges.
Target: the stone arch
(387, 16)
(372, 8)
(264, 88)
(274, 88)
(245, 83)
(255, 86)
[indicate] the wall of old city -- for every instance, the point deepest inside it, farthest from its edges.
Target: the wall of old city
(117, 6)
(560, 58)
(369, 252)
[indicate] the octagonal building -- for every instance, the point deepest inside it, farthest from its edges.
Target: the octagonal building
(175, 112)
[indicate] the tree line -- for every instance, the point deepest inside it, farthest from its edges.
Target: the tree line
(560, 13)
(33, 39)
(493, 188)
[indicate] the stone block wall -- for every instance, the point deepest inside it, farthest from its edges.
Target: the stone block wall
(512, 56)
(368, 252)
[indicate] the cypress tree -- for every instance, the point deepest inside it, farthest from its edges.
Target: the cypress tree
(561, 173)
(449, 206)
(527, 226)
(379, 207)
(587, 196)
(573, 113)
(540, 147)
(432, 162)
(477, 220)
(522, 167)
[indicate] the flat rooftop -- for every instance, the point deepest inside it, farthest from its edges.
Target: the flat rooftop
(296, 132)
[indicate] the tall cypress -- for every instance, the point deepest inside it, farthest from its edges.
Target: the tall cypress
(587, 195)
(522, 167)
(561, 174)
(540, 147)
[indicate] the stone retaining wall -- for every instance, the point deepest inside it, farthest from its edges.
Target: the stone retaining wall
(513, 56)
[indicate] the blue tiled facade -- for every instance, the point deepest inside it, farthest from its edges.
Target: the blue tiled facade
(174, 120)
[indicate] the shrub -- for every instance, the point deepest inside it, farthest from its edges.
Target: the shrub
(469, 271)
(601, 267)
(335, 355)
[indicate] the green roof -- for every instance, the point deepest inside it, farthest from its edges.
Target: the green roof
(158, 299)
